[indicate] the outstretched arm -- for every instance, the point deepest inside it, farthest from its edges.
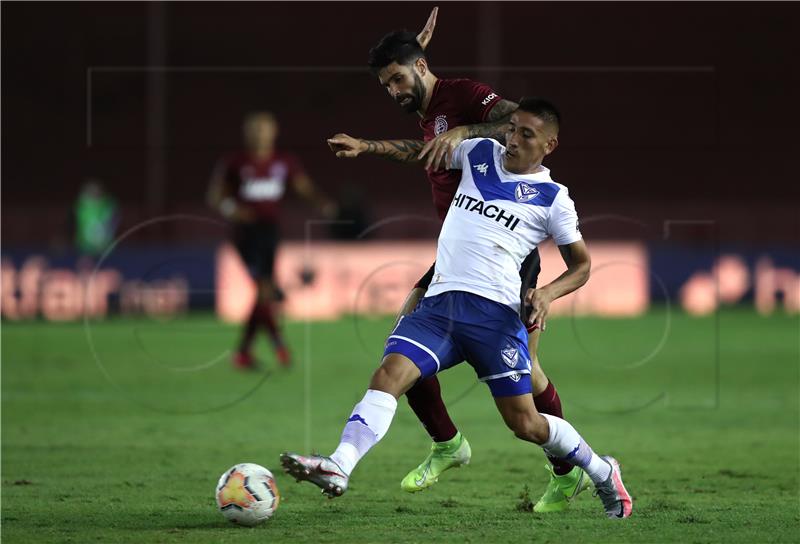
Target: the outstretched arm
(306, 188)
(346, 146)
(440, 148)
(425, 35)
(579, 264)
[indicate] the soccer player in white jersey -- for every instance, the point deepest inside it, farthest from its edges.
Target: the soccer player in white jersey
(505, 206)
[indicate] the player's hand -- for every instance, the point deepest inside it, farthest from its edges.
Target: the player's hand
(539, 301)
(235, 212)
(346, 146)
(425, 35)
(440, 149)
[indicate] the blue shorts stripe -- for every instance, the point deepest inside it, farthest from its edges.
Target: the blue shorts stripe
(421, 356)
(507, 387)
(503, 375)
(421, 346)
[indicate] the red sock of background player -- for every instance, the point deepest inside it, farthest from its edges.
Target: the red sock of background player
(425, 398)
(250, 329)
(267, 318)
(548, 402)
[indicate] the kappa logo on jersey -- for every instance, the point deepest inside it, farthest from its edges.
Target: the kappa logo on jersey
(482, 168)
(525, 192)
(510, 356)
(440, 124)
(489, 98)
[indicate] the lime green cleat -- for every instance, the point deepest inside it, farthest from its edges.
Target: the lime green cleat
(444, 455)
(561, 490)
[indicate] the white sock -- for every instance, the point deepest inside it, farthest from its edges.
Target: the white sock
(565, 443)
(366, 426)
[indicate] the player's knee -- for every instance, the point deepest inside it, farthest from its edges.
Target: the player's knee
(395, 375)
(528, 427)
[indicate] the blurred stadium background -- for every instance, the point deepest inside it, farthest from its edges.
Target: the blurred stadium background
(679, 146)
(679, 133)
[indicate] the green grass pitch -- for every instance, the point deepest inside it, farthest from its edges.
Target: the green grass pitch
(124, 441)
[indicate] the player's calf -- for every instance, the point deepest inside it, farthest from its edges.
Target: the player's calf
(395, 375)
(521, 417)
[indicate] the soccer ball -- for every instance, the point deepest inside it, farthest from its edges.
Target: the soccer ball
(247, 494)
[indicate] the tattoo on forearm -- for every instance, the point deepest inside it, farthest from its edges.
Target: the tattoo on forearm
(496, 122)
(494, 130)
(396, 150)
(502, 111)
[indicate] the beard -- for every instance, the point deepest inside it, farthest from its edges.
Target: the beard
(415, 97)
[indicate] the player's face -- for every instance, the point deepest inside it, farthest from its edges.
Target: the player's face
(404, 85)
(528, 141)
(260, 133)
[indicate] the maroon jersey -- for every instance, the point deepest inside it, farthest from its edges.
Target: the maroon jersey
(454, 102)
(259, 184)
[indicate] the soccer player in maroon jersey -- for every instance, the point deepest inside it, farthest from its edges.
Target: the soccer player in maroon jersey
(246, 188)
(450, 111)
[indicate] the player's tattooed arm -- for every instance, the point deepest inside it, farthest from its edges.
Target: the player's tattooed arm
(579, 264)
(439, 150)
(397, 150)
(496, 122)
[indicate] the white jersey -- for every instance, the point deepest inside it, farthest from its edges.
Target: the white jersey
(495, 220)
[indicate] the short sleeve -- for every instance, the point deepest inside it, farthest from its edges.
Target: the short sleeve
(460, 153)
(563, 222)
(479, 101)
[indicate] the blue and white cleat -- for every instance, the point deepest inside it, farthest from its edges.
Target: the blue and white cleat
(616, 500)
(317, 469)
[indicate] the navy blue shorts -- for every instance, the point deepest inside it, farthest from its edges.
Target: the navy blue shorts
(455, 326)
(528, 272)
(257, 244)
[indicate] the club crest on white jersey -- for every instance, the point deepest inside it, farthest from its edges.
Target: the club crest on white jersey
(525, 192)
(495, 220)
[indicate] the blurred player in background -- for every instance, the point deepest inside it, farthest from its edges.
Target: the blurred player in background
(506, 205)
(246, 189)
(450, 111)
(95, 219)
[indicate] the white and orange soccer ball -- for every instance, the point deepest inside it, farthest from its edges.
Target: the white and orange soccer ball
(247, 494)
